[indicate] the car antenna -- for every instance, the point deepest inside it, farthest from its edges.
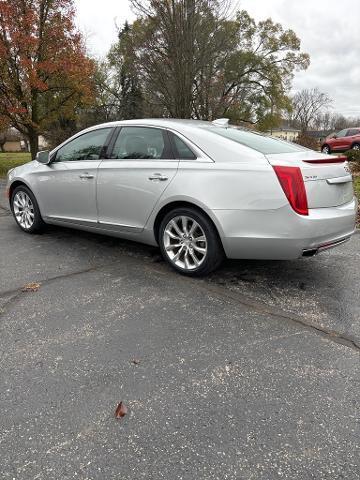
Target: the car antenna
(221, 122)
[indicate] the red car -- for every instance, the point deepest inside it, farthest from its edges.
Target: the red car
(346, 139)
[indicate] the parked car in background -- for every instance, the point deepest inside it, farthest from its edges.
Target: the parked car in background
(199, 190)
(346, 139)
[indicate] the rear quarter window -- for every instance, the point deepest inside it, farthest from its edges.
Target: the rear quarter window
(261, 143)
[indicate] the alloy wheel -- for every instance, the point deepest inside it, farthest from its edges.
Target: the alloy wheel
(23, 210)
(185, 242)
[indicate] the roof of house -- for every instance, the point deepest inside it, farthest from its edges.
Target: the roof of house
(286, 129)
(318, 133)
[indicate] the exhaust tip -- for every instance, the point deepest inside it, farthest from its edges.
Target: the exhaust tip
(310, 253)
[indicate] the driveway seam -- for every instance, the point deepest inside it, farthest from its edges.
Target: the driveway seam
(220, 292)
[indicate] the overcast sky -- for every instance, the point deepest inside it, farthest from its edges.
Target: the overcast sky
(329, 31)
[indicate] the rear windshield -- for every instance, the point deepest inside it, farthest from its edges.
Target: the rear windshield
(256, 141)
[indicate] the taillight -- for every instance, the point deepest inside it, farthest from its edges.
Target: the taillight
(292, 182)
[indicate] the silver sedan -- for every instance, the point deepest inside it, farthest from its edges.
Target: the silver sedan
(202, 191)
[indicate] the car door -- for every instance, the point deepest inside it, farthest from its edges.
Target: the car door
(131, 181)
(67, 187)
(340, 142)
(352, 136)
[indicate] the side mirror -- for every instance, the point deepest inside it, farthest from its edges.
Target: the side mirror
(334, 136)
(43, 157)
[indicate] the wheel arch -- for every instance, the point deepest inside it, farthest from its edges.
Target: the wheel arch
(181, 204)
(355, 143)
(15, 184)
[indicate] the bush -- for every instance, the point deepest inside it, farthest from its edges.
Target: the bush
(353, 156)
(308, 142)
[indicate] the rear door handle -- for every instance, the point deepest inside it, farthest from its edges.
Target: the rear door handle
(158, 176)
(86, 175)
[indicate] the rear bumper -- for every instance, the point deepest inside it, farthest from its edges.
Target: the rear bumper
(324, 246)
(281, 234)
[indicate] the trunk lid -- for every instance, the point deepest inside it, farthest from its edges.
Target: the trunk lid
(326, 184)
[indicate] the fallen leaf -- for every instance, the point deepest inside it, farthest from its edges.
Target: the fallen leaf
(31, 287)
(121, 410)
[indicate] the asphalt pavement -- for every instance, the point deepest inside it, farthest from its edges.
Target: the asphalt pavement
(251, 373)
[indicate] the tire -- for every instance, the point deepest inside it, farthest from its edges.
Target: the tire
(190, 232)
(22, 199)
(356, 146)
(326, 149)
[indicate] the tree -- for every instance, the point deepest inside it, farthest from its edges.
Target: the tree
(307, 104)
(124, 86)
(44, 71)
(191, 60)
(4, 132)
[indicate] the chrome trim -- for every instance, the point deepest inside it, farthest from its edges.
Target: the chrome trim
(332, 244)
(121, 226)
(310, 252)
(337, 180)
(71, 219)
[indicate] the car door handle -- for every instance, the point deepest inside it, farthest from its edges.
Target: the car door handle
(159, 177)
(86, 175)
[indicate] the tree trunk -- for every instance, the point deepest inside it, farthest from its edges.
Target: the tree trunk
(34, 143)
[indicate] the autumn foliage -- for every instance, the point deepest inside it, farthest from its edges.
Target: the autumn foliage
(44, 70)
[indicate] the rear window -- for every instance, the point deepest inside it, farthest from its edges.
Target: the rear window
(256, 141)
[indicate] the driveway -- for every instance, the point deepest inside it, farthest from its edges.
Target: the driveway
(252, 373)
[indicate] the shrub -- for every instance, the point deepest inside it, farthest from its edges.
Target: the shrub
(353, 156)
(308, 142)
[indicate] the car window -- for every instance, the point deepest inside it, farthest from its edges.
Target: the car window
(261, 143)
(352, 131)
(182, 151)
(140, 143)
(88, 146)
(342, 133)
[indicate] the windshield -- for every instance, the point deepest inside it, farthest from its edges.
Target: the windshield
(261, 143)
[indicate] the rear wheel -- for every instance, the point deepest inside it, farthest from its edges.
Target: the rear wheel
(356, 146)
(26, 210)
(189, 242)
(326, 149)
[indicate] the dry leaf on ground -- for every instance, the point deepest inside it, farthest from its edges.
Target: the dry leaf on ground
(31, 287)
(121, 410)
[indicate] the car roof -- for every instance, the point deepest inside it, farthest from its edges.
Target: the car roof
(158, 122)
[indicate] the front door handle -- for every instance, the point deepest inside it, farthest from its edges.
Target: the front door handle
(86, 175)
(159, 177)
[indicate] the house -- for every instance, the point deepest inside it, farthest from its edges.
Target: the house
(319, 135)
(11, 141)
(285, 133)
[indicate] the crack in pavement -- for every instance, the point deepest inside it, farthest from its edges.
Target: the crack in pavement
(220, 292)
(261, 307)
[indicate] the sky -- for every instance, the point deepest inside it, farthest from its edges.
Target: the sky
(329, 31)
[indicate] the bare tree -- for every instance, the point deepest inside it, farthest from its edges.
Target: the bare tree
(194, 58)
(307, 105)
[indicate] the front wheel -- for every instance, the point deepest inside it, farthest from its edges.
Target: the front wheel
(326, 149)
(26, 210)
(189, 242)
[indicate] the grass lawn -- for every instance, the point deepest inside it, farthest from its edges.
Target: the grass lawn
(11, 160)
